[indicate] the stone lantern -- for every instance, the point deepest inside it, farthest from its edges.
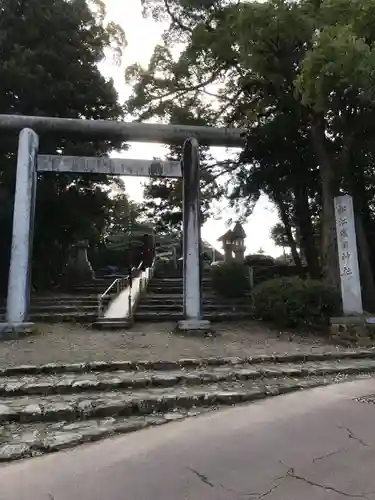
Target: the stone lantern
(227, 242)
(79, 268)
(238, 242)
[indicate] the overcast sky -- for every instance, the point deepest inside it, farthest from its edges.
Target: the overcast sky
(142, 35)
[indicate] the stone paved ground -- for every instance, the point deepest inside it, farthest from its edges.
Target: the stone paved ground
(30, 438)
(48, 408)
(68, 343)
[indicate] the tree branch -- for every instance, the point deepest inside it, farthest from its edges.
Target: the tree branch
(175, 20)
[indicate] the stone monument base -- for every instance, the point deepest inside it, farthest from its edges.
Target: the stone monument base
(195, 327)
(16, 330)
(353, 331)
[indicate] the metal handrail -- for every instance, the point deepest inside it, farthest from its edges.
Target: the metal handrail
(141, 287)
(119, 283)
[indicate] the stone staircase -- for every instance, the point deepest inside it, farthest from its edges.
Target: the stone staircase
(163, 302)
(79, 305)
(48, 408)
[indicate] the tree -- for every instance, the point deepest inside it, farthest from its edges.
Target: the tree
(336, 85)
(48, 66)
(310, 63)
(279, 237)
(122, 217)
(217, 51)
(163, 197)
(278, 161)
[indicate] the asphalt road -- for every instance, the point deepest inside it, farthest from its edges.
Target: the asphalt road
(318, 444)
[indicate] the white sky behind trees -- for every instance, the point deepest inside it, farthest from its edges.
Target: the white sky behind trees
(142, 36)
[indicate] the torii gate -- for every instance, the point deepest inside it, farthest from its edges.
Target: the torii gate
(29, 163)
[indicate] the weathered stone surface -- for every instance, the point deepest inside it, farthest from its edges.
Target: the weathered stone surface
(75, 383)
(174, 416)
(32, 409)
(369, 398)
(6, 413)
(58, 409)
(357, 333)
(44, 412)
(34, 438)
(53, 368)
(62, 440)
(13, 386)
(13, 451)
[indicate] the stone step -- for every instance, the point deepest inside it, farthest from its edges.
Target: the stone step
(78, 317)
(176, 280)
(82, 406)
(61, 306)
(112, 323)
(61, 303)
(176, 316)
(20, 441)
(108, 277)
(144, 306)
(168, 290)
(207, 299)
(154, 284)
(51, 407)
(91, 289)
(63, 309)
(179, 284)
(190, 363)
(98, 282)
(66, 300)
(43, 384)
(53, 426)
(207, 296)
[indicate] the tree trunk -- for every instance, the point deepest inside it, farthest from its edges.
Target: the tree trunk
(289, 234)
(365, 267)
(306, 231)
(364, 231)
(330, 264)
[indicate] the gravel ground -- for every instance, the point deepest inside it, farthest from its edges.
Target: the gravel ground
(69, 343)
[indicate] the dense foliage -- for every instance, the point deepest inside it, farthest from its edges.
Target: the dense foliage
(299, 77)
(230, 279)
(48, 66)
(259, 259)
(295, 302)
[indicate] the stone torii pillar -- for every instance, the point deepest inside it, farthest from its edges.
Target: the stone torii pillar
(192, 295)
(23, 222)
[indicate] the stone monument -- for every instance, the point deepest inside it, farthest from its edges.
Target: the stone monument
(354, 327)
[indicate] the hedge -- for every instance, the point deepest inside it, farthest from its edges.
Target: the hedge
(295, 302)
(230, 279)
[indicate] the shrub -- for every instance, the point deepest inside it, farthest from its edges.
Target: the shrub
(230, 279)
(294, 302)
(265, 273)
(259, 259)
